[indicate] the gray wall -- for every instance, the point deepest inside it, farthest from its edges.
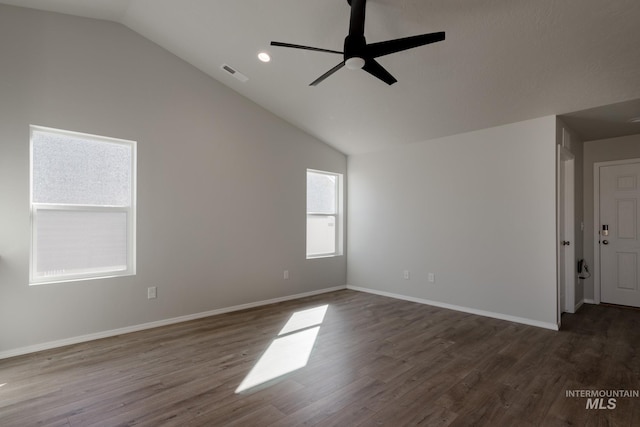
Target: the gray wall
(478, 210)
(221, 182)
(604, 150)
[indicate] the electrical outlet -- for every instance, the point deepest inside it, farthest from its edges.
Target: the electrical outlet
(431, 277)
(152, 292)
(405, 275)
(286, 275)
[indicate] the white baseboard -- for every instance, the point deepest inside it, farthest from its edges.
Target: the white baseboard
(523, 320)
(578, 305)
(135, 328)
(589, 301)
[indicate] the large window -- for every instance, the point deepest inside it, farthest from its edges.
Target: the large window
(324, 200)
(83, 191)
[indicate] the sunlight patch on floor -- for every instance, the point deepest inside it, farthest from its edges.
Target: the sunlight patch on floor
(290, 351)
(304, 319)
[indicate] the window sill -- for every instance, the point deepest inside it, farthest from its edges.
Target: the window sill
(324, 256)
(79, 279)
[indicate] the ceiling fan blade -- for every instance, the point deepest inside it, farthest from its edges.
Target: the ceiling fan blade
(372, 67)
(375, 50)
(297, 46)
(327, 74)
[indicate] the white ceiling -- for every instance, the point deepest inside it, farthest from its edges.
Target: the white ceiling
(502, 61)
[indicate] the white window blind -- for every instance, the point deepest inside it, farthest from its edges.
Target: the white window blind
(83, 206)
(323, 225)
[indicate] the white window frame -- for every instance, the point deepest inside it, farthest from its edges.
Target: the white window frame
(338, 215)
(130, 210)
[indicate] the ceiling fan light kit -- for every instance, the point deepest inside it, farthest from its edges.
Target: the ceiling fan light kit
(358, 54)
(355, 63)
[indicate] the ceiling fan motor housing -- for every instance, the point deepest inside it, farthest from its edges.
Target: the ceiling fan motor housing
(355, 51)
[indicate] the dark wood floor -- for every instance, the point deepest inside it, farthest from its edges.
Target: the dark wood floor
(376, 361)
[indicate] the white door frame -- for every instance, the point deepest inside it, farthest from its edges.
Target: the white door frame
(596, 221)
(566, 230)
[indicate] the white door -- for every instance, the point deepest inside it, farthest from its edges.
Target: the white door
(566, 235)
(619, 244)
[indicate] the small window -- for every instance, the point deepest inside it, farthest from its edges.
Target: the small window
(324, 200)
(82, 206)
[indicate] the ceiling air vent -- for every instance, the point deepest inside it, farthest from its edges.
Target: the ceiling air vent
(235, 73)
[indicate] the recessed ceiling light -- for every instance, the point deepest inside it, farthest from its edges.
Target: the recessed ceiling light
(635, 120)
(264, 57)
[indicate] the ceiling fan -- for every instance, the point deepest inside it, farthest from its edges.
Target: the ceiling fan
(358, 54)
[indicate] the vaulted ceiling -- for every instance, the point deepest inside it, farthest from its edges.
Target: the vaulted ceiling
(502, 61)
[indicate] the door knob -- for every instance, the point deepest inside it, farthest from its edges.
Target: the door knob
(566, 243)
(605, 242)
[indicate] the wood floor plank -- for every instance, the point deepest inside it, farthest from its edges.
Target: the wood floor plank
(266, 415)
(327, 406)
(375, 361)
(422, 413)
